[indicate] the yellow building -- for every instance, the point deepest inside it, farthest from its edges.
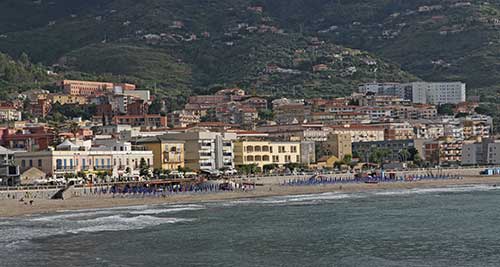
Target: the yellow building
(68, 99)
(339, 145)
(266, 152)
(167, 154)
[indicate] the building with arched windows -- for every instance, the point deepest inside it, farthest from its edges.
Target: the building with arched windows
(263, 153)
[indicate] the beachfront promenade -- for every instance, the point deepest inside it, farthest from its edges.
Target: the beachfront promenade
(126, 189)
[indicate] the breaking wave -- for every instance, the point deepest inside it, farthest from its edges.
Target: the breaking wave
(121, 223)
(170, 209)
(451, 189)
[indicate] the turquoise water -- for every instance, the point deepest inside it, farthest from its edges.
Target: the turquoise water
(456, 226)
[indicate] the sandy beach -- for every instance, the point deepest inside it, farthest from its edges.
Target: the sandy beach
(11, 208)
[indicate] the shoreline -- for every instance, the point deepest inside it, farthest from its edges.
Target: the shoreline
(15, 208)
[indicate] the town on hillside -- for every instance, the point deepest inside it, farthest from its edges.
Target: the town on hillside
(121, 133)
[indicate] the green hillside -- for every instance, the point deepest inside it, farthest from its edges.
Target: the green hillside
(18, 75)
(270, 46)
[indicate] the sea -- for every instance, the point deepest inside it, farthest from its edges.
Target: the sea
(449, 226)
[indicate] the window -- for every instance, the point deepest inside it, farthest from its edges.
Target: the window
(31, 163)
(23, 163)
(39, 163)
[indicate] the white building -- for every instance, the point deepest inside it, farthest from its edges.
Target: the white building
(206, 150)
(10, 114)
(438, 93)
(434, 93)
(117, 159)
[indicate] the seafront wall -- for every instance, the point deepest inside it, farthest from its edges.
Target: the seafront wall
(28, 194)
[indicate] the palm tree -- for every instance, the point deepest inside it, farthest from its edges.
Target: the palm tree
(74, 128)
(56, 130)
(404, 155)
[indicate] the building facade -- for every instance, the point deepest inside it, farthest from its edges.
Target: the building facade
(168, 154)
(339, 145)
(206, 151)
(73, 159)
(392, 149)
(434, 93)
(263, 153)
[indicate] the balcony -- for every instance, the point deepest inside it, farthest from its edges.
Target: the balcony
(61, 169)
(9, 171)
(104, 167)
(205, 154)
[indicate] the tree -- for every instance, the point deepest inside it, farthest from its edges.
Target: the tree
(446, 109)
(56, 130)
(295, 166)
(269, 167)
(347, 159)
(266, 114)
(211, 116)
(143, 168)
(74, 128)
(156, 107)
(248, 169)
(379, 155)
(404, 155)
(25, 60)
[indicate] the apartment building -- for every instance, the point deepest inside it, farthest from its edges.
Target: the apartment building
(444, 151)
(67, 99)
(301, 131)
(10, 114)
(168, 154)
(146, 120)
(9, 171)
(438, 93)
(483, 152)
(206, 151)
(339, 145)
(361, 133)
(434, 93)
(263, 153)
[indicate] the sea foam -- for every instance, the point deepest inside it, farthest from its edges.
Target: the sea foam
(122, 223)
(170, 209)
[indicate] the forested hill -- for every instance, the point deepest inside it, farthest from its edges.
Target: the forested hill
(294, 47)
